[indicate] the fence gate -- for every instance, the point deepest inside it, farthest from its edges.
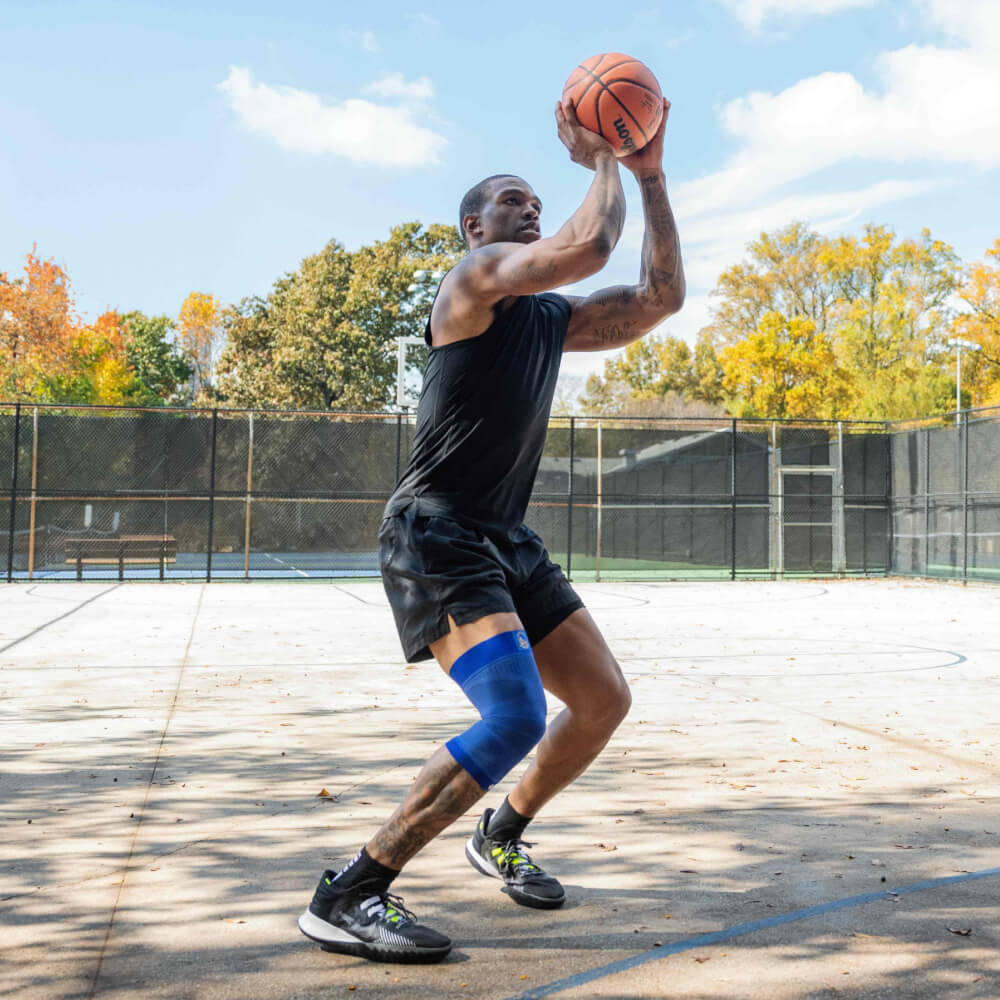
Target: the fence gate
(812, 533)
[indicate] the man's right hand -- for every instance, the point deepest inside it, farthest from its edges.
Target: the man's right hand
(585, 147)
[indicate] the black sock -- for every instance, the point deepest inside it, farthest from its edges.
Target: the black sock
(507, 823)
(364, 868)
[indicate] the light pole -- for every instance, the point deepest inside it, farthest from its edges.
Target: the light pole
(959, 346)
(423, 282)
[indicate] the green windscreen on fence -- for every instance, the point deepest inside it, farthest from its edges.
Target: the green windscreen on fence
(95, 493)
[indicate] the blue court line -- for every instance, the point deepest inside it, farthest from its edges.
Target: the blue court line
(728, 933)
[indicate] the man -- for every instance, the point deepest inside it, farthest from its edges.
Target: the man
(469, 584)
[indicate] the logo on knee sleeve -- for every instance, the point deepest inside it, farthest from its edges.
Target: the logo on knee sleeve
(522, 640)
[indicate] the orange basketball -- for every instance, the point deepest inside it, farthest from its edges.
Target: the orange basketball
(618, 97)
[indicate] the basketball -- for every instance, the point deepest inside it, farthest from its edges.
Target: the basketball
(618, 97)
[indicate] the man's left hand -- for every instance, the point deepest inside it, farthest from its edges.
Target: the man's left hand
(650, 157)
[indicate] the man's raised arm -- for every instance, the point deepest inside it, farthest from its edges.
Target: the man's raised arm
(618, 315)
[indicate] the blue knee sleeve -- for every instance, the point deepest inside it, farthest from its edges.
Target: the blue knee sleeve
(500, 678)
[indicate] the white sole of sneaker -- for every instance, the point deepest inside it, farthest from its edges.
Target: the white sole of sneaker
(477, 861)
(338, 940)
(319, 930)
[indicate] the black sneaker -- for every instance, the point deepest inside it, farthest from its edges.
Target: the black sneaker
(375, 925)
(508, 860)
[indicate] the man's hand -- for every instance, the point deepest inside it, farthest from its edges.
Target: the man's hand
(650, 157)
(585, 147)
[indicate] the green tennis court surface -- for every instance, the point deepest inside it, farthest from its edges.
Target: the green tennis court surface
(802, 802)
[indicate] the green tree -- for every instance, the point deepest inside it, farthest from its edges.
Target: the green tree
(652, 369)
(324, 338)
(161, 369)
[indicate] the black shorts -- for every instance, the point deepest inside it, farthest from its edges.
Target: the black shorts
(433, 567)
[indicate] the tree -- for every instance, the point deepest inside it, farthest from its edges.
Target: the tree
(783, 273)
(784, 369)
(160, 368)
(36, 320)
(657, 368)
(980, 291)
(199, 333)
(95, 367)
(891, 318)
(324, 337)
(878, 304)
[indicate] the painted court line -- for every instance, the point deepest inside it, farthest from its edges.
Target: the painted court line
(728, 933)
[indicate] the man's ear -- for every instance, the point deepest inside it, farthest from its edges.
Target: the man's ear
(472, 225)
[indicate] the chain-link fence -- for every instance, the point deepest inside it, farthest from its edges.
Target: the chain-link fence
(90, 492)
(946, 496)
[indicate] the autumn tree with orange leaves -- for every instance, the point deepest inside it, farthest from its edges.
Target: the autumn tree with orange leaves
(36, 318)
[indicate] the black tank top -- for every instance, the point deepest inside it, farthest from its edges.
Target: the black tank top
(483, 415)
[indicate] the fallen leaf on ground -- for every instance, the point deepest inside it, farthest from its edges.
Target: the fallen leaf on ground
(961, 931)
(606, 847)
(322, 794)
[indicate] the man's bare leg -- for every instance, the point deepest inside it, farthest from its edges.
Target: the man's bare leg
(578, 668)
(444, 790)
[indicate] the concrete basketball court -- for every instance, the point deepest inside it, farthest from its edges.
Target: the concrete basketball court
(802, 802)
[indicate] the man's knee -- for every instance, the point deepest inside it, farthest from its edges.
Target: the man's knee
(500, 678)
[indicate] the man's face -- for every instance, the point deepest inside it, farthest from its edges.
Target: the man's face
(510, 214)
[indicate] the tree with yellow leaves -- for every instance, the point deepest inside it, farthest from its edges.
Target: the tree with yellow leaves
(980, 291)
(785, 368)
(199, 333)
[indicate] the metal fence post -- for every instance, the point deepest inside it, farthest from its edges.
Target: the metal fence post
(211, 498)
(246, 527)
(399, 443)
(34, 495)
(965, 497)
(569, 501)
(927, 501)
(732, 483)
(13, 490)
(600, 502)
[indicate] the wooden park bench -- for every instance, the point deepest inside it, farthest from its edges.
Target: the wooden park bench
(132, 550)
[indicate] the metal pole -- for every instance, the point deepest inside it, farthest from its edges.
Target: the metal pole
(569, 501)
(927, 501)
(600, 501)
(965, 497)
(772, 491)
(399, 442)
(732, 484)
(958, 386)
(246, 529)
(211, 499)
(841, 504)
(13, 490)
(34, 487)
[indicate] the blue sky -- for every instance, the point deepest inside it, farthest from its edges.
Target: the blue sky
(153, 149)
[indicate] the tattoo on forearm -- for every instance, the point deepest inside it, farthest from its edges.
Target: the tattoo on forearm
(661, 252)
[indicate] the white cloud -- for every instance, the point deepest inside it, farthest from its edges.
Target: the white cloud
(976, 22)
(934, 106)
(358, 130)
(753, 13)
(393, 85)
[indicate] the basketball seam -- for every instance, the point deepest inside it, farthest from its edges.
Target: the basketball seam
(611, 93)
(595, 78)
(625, 109)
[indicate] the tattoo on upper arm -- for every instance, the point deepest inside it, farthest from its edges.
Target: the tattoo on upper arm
(614, 333)
(620, 296)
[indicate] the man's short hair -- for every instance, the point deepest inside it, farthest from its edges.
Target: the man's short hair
(474, 199)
